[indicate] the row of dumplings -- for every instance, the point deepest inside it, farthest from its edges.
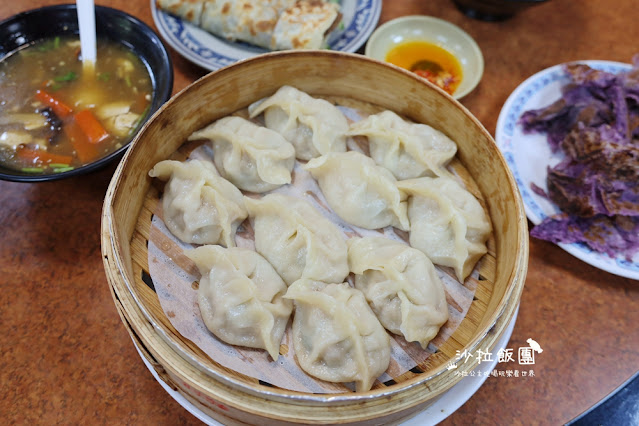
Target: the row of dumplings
(338, 330)
(301, 259)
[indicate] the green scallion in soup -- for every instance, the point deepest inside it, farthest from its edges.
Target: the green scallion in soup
(54, 117)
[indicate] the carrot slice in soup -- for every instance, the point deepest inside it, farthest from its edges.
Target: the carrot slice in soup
(90, 126)
(40, 157)
(61, 109)
(85, 150)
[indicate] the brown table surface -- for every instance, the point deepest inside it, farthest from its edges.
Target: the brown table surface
(66, 358)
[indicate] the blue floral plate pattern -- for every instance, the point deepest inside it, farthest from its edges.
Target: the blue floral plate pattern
(359, 19)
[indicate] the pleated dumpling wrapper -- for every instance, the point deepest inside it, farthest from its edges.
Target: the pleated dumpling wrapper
(447, 223)
(359, 191)
(199, 206)
(336, 335)
(408, 150)
(297, 239)
(401, 285)
(251, 157)
(314, 126)
(241, 297)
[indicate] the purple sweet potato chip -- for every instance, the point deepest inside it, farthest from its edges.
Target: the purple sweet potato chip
(618, 235)
(595, 125)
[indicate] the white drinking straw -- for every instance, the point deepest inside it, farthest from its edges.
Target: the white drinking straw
(86, 22)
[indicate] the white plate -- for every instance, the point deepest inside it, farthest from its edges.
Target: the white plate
(528, 156)
(359, 18)
(445, 405)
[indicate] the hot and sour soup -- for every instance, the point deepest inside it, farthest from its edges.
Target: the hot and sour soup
(55, 116)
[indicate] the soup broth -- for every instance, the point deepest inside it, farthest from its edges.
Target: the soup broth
(55, 117)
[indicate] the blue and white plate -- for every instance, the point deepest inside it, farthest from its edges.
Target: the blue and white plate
(528, 156)
(359, 19)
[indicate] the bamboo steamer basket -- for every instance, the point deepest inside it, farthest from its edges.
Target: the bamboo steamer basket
(231, 397)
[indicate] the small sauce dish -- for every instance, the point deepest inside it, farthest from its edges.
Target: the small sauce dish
(431, 47)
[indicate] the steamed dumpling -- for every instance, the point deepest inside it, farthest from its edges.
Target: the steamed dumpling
(447, 223)
(297, 240)
(408, 150)
(314, 126)
(199, 206)
(401, 285)
(241, 297)
(359, 191)
(251, 157)
(336, 335)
